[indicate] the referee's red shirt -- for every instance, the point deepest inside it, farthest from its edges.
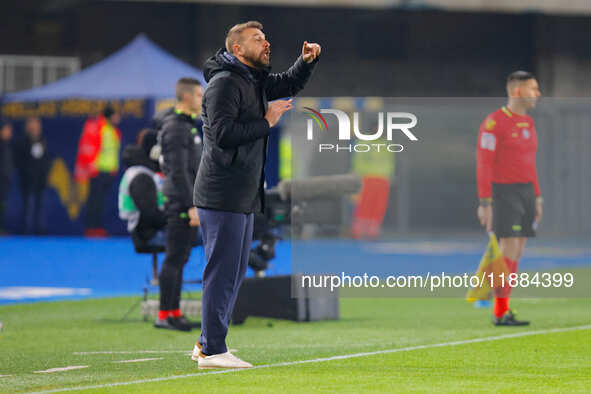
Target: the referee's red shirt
(506, 152)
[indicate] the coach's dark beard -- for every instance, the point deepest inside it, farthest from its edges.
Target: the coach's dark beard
(258, 61)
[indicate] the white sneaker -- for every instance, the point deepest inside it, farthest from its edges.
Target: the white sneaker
(196, 351)
(222, 360)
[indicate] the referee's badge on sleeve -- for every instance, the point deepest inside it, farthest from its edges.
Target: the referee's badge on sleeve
(488, 141)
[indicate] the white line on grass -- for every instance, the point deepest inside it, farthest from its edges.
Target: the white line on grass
(333, 358)
(138, 360)
(70, 368)
(139, 352)
(130, 352)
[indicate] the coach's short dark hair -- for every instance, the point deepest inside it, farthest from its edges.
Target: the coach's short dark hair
(235, 33)
(519, 76)
(185, 85)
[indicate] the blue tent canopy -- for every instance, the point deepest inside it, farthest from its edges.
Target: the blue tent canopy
(141, 69)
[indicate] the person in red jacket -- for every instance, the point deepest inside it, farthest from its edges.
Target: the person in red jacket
(98, 162)
(508, 188)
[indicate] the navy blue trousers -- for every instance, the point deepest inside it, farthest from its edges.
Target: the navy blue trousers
(227, 238)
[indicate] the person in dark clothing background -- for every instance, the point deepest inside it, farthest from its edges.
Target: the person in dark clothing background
(141, 201)
(6, 168)
(229, 188)
(180, 146)
(32, 162)
(161, 116)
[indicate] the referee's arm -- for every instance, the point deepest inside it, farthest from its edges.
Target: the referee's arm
(485, 156)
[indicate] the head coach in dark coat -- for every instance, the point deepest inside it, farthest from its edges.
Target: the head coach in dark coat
(237, 120)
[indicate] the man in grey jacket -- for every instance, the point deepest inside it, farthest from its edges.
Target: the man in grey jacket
(229, 188)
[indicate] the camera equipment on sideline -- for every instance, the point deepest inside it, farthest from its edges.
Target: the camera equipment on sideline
(289, 200)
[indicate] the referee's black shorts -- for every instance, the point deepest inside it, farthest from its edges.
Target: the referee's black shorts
(514, 209)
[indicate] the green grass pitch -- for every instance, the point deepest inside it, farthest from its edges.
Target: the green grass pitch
(48, 335)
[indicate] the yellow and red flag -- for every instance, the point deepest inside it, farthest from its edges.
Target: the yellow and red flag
(492, 266)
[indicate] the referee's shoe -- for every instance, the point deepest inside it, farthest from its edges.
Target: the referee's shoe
(508, 319)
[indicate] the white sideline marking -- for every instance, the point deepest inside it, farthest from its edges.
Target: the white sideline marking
(25, 292)
(319, 360)
(139, 352)
(138, 360)
(70, 368)
(4, 376)
(130, 352)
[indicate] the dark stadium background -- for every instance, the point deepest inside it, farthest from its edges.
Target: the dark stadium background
(369, 52)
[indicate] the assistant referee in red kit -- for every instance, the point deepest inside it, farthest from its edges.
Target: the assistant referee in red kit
(508, 188)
